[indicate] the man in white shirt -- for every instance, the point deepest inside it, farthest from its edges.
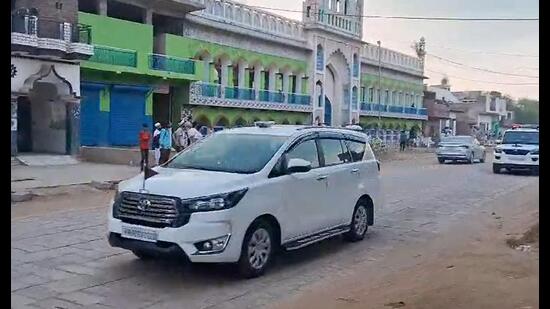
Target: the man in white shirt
(193, 134)
(156, 144)
(180, 137)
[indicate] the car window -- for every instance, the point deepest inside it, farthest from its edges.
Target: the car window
(231, 153)
(306, 150)
(357, 150)
(333, 151)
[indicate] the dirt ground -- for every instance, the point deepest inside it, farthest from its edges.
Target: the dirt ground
(491, 264)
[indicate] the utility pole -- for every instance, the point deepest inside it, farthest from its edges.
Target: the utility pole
(379, 84)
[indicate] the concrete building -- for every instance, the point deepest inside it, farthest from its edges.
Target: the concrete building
(484, 112)
(223, 63)
(47, 45)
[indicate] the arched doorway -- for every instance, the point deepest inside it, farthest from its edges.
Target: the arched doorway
(240, 122)
(49, 114)
(222, 122)
(337, 89)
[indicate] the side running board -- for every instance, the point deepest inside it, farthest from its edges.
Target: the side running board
(308, 240)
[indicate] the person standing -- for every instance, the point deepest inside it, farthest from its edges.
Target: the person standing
(193, 134)
(402, 140)
(165, 143)
(156, 144)
(180, 137)
(144, 140)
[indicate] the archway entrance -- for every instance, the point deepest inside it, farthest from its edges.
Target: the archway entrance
(48, 114)
(337, 83)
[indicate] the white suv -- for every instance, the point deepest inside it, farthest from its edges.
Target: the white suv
(519, 150)
(241, 194)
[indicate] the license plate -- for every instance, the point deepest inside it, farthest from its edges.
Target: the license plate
(514, 158)
(139, 233)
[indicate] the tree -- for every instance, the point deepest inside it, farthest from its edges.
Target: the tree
(527, 111)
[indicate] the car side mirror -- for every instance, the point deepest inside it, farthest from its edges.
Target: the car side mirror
(498, 142)
(296, 165)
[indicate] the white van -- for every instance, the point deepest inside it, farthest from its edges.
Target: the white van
(241, 194)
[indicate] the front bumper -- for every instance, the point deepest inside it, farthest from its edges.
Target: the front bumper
(517, 161)
(181, 241)
(452, 155)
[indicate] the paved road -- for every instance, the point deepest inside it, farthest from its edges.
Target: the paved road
(62, 260)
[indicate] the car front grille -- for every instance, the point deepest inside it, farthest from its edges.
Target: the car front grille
(149, 210)
(518, 152)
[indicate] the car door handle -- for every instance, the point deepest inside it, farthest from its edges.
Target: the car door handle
(322, 177)
(355, 171)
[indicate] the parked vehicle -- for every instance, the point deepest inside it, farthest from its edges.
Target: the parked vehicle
(519, 150)
(242, 194)
(460, 148)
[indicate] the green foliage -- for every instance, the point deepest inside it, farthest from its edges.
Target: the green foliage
(527, 111)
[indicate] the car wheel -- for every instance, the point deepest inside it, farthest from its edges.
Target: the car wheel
(471, 158)
(359, 224)
(257, 250)
(496, 169)
(143, 255)
(441, 161)
(535, 171)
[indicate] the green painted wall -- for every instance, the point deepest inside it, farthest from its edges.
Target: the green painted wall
(214, 114)
(368, 80)
(117, 33)
(185, 47)
(393, 123)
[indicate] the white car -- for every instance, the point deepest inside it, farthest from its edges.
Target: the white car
(241, 194)
(519, 150)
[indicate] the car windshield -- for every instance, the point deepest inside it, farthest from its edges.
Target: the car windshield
(518, 137)
(457, 140)
(232, 153)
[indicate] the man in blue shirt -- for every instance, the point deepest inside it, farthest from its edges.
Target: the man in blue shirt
(165, 141)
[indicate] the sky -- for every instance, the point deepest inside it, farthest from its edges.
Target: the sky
(487, 45)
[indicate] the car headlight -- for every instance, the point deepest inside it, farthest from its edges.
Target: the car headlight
(497, 150)
(215, 202)
(535, 152)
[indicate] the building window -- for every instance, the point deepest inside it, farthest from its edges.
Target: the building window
(387, 97)
(394, 98)
(320, 58)
(363, 94)
(371, 95)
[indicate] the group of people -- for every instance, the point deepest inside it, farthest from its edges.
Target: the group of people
(162, 141)
(406, 139)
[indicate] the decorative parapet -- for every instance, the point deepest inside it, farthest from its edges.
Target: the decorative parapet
(214, 95)
(392, 59)
(249, 17)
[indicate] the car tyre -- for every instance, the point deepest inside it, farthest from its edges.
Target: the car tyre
(535, 171)
(496, 169)
(257, 250)
(471, 159)
(359, 223)
(441, 161)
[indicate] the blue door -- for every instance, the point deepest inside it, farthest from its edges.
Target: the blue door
(127, 114)
(93, 124)
(328, 112)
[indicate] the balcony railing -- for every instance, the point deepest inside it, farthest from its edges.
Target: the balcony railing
(51, 29)
(240, 93)
(171, 64)
(393, 109)
(249, 94)
(210, 90)
(301, 99)
(271, 96)
(114, 56)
